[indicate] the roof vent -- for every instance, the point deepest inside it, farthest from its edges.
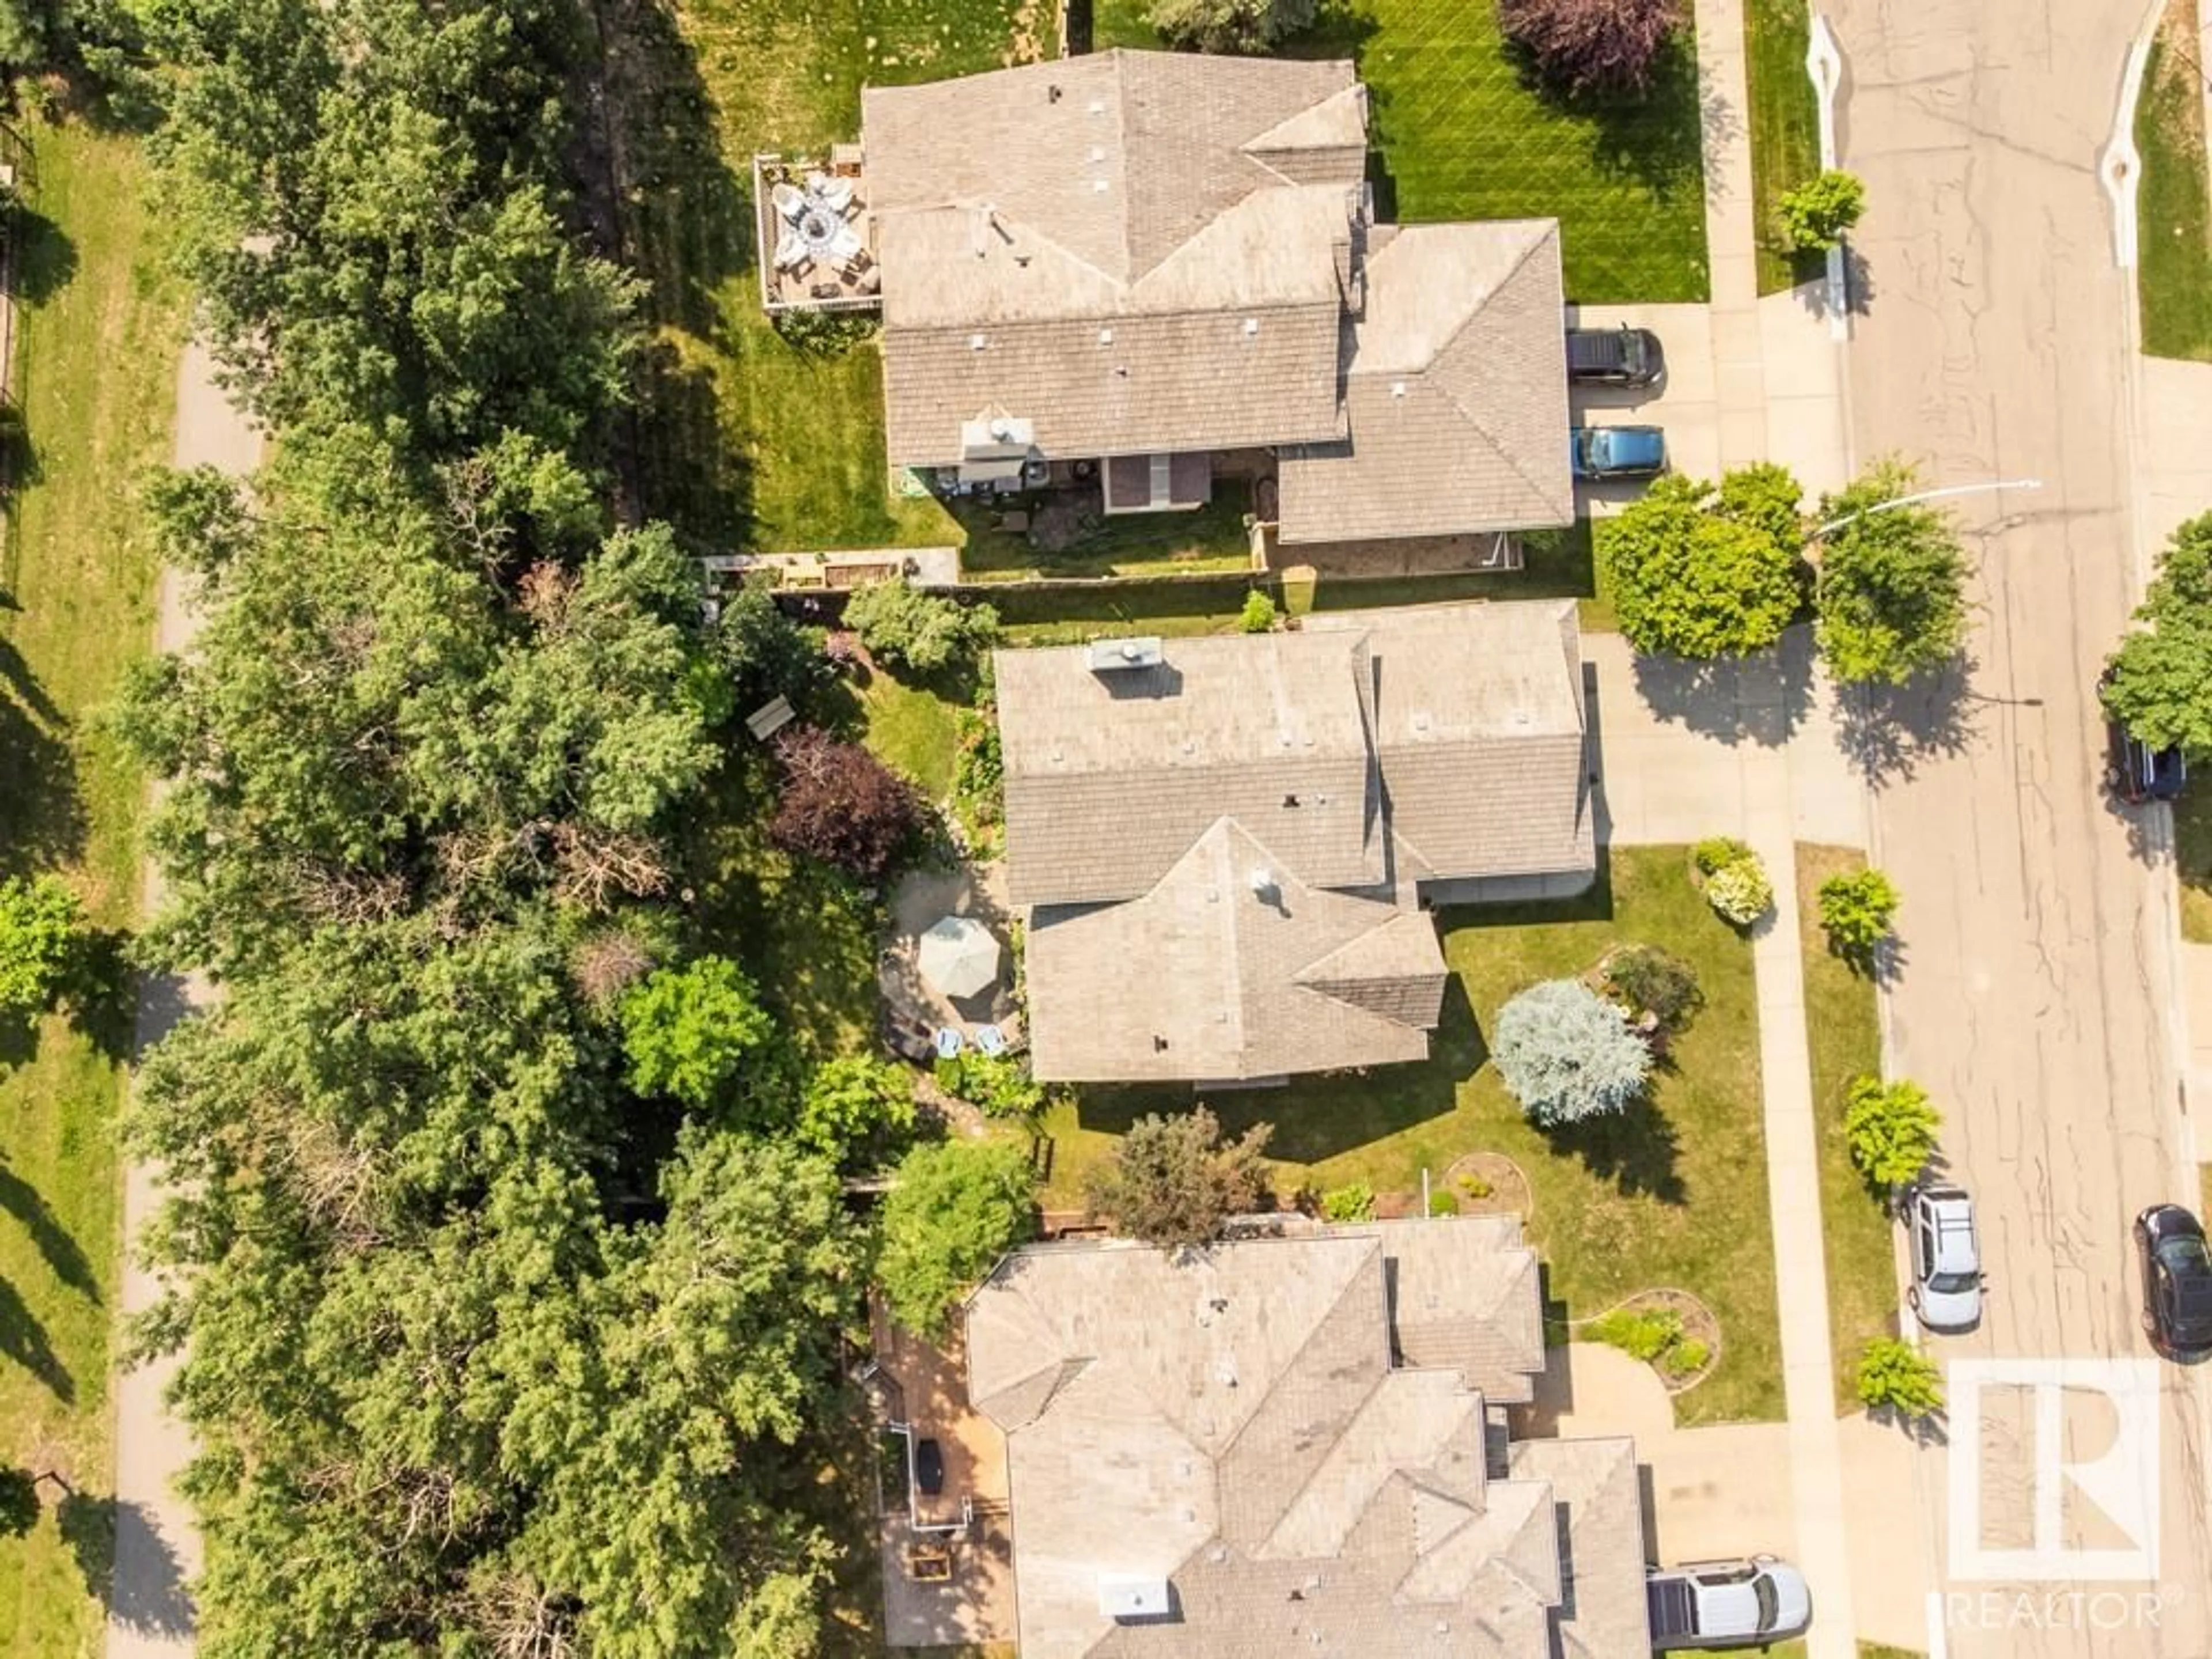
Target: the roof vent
(1251, 327)
(1263, 882)
(1098, 107)
(1098, 186)
(1397, 388)
(1052, 94)
(1105, 336)
(1098, 152)
(1125, 1596)
(1121, 656)
(976, 342)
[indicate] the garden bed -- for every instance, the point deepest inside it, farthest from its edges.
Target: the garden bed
(1672, 1330)
(1490, 1184)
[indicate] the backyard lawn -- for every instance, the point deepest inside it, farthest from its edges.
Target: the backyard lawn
(1672, 1194)
(2174, 275)
(95, 374)
(2192, 848)
(1210, 540)
(1785, 127)
(1845, 1032)
(1463, 135)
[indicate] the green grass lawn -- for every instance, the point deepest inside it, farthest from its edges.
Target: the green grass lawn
(744, 439)
(1784, 120)
(96, 376)
(1845, 1032)
(2174, 275)
(1212, 538)
(1463, 135)
(912, 728)
(2192, 852)
(1672, 1195)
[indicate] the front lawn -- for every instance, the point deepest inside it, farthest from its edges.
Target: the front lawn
(2173, 277)
(2192, 857)
(1785, 127)
(1672, 1195)
(100, 328)
(1845, 1032)
(1463, 135)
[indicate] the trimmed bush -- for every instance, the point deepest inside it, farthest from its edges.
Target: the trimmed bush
(1258, 615)
(1856, 909)
(1352, 1203)
(1814, 215)
(1641, 1334)
(1646, 980)
(1890, 1128)
(1898, 1376)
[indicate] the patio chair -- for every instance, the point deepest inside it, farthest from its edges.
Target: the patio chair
(790, 200)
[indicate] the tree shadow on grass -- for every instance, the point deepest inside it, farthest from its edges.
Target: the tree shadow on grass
(1635, 1150)
(45, 257)
(55, 1241)
(24, 1340)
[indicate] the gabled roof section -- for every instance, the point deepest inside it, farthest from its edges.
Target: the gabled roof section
(1456, 394)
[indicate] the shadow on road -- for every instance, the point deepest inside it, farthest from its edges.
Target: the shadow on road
(125, 1561)
(1886, 733)
(1760, 700)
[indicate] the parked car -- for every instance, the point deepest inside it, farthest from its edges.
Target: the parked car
(1614, 357)
(1947, 1258)
(1726, 1604)
(2176, 1281)
(1619, 451)
(2134, 770)
(929, 1467)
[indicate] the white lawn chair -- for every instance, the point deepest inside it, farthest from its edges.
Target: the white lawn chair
(790, 200)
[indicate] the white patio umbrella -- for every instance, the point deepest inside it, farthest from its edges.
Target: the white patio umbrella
(959, 957)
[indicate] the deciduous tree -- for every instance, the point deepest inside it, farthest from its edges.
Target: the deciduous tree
(926, 633)
(1857, 909)
(1174, 1180)
(1701, 572)
(955, 1207)
(2159, 688)
(1593, 47)
(688, 1030)
(1229, 25)
(42, 936)
(1891, 588)
(842, 805)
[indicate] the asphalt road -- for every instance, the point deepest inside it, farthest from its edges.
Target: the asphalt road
(2034, 996)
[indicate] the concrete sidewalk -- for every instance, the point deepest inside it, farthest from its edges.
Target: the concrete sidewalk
(157, 1548)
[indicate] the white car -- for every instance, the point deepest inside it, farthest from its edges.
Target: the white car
(1947, 1258)
(1727, 1604)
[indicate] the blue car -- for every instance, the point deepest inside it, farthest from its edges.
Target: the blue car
(1619, 451)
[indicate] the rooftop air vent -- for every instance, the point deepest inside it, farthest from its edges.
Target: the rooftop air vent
(1251, 327)
(1126, 1595)
(976, 342)
(1123, 656)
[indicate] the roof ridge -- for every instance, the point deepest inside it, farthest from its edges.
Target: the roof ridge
(1474, 420)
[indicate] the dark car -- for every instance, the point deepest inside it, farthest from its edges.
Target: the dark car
(1619, 451)
(1614, 357)
(2177, 1276)
(2134, 770)
(929, 1467)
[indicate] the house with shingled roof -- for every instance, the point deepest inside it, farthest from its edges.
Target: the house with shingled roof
(1228, 848)
(1141, 262)
(1298, 1445)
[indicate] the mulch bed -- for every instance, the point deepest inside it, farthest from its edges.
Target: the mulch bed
(1509, 1192)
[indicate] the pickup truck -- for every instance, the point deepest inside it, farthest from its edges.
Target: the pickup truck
(1726, 1604)
(1614, 357)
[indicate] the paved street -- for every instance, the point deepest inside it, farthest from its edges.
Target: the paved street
(2038, 973)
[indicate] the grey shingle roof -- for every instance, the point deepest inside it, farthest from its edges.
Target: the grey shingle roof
(1234, 1426)
(1165, 198)
(1229, 968)
(1457, 396)
(1603, 1612)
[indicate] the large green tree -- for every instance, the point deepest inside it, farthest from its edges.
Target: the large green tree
(1699, 571)
(2160, 686)
(1891, 589)
(954, 1209)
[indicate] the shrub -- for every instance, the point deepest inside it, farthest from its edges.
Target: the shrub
(979, 768)
(1443, 1203)
(1352, 1203)
(1001, 1085)
(1699, 573)
(1815, 215)
(1856, 908)
(686, 1030)
(1173, 1181)
(1890, 1129)
(1474, 1186)
(955, 1207)
(1592, 46)
(764, 654)
(1258, 615)
(1650, 981)
(856, 1108)
(1641, 1334)
(1894, 1373)
(842, 805)
(1740, 893)
(1716, 853)
(1229, 25)
(1567, 1054)
(825, 333)
(927, 633)
(1686, 1357)
(42, 940)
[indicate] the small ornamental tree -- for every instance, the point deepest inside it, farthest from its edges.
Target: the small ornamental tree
(1701, 572)
(2158, 689)
(1250, 25)
(1898, 1377)
(1646, 980)
(1592, 46)
(1891, 591)
(1856, 910)
(1173, 1181)
(856, 1107)
(42, 938)
(764, 654)
(1890, 1128)
(954, 1208)
(1258, 615)
(686, 1031)
(1815, 215)
(842, 805)
(1567, 1054)
(926, 633)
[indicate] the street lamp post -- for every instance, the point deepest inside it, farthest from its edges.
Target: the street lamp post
(1930, 496)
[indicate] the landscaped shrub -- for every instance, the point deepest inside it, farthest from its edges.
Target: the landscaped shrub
(1001, 1085)
(1716, 853)
(1896, 1375)
(1890, 1128)
(1815, 213)
(42, 940)
(1443, 1203)
(1641, 1334)
(979, 767)
(1258, 615)
(1353, 1203)
(1474, 1186)
(1646, 980)
(1229, 25)
(1856, 908)
(1686, 1357)
(1567, 1054)
(1735, 881)
(1592, 46)
(906, 627)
